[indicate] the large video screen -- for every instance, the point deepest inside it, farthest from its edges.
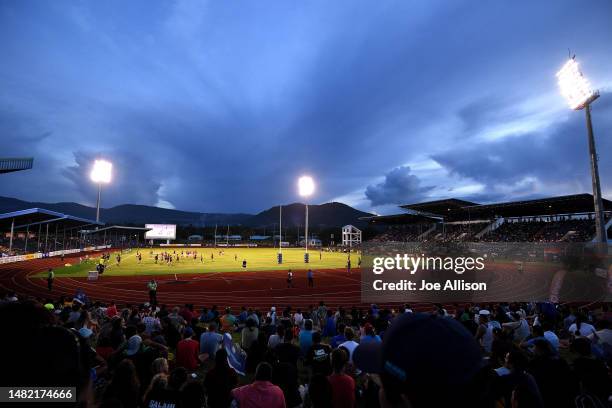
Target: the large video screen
(161, 231)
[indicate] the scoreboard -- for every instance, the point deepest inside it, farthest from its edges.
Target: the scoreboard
(161, 231)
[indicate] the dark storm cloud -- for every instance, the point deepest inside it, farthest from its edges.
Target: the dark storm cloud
(399, 187)
(210, 106)
(557, 155)
(132, 187)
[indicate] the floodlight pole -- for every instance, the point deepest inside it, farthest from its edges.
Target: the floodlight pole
(306, 229)
(600, 230)
(98, 203)
(11, 239)
(280, 229)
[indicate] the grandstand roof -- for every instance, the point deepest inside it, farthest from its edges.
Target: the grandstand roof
(570, 204)
(35, 216)
(117, 227)
(8, 165)
(459, 210)
(406, 218)
(438, 206)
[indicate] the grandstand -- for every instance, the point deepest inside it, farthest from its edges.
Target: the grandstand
(556, 219)
(42, 231)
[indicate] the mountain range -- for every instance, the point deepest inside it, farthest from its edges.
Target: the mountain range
(328, 215)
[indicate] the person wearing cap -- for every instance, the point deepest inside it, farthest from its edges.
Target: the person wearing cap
(187, 351)
(369, 335)
(133, 345)
(423, 361)
(272, 315)
(484, 333)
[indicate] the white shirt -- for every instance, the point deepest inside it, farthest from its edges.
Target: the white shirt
(350, 345)
(487, 338)
(298, 319)
(552, 339)
(605, 336)
(521, 332)
(274, 341)
(585, 329)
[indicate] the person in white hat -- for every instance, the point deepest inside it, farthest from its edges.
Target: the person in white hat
(484, 333)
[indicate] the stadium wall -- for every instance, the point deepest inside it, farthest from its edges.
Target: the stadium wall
(38, 255)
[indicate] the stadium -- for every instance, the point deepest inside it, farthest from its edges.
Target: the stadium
(192, 212)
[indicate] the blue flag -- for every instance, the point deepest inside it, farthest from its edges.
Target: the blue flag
(235, 357)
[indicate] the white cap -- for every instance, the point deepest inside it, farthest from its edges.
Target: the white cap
(484, 312)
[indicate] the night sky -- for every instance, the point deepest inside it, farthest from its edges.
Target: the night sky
(221, 105)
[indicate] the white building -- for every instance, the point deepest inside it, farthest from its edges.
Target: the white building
(351, 236)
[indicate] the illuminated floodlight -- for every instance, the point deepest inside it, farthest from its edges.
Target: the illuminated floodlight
(306, 186)
(101, 172)
(574, 87)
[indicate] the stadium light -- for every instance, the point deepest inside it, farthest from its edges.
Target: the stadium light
(306, 187)
(101, 173)
(574, 86)
(579, 95)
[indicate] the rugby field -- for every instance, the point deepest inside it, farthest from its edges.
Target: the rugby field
(230, 260)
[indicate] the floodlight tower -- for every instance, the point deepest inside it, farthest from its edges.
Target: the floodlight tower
(306, 188)
(101, 173)
(579, 95)
(279, 256)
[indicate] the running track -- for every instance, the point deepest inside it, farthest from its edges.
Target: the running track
(260, 289)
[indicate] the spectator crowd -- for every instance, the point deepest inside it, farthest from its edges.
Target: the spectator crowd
(156, 356)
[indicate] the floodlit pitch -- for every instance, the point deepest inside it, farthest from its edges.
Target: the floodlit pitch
(212, 260)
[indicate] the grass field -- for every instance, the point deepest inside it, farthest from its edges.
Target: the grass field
(258, 259)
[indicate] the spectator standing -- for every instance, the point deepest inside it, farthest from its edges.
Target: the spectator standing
(152, 286)
(50, 279)
(287, 352)
(248, 335)
(342, 385)
(261, 393)
(370, 335)
(306, 337)
(220, 381)
(187, 351)
(210, 341)
(350, 344)
(318, 356)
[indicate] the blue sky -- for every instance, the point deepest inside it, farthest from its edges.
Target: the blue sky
(221, 105)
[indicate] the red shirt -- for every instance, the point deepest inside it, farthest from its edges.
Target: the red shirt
(111, 311)
(187, 351)
(187, 315)
(343, 390)
(259, 394)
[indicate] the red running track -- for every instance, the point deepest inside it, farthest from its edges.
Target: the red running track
(260, 289)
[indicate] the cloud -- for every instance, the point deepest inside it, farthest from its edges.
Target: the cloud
(211, 106)
(399, 187)
(133, 186)
(551, 160)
